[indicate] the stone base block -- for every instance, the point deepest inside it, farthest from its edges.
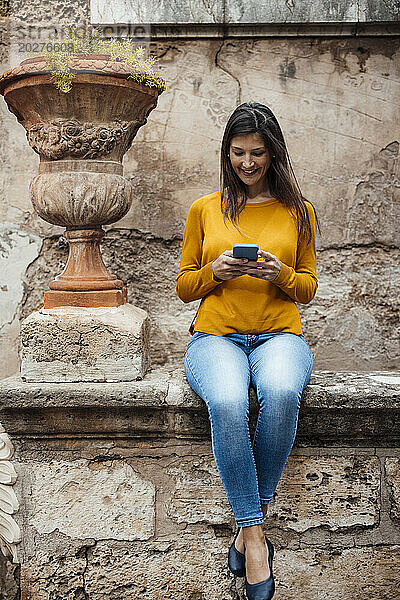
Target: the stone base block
(71, 344)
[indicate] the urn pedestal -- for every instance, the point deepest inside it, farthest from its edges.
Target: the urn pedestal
(81, 138)
(97, 344)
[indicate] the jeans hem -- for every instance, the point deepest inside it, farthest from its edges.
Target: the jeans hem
(248, 522)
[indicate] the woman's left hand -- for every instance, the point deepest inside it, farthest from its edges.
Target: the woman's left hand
(270, 266)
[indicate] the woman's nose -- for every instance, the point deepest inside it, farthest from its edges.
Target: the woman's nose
(248, 162)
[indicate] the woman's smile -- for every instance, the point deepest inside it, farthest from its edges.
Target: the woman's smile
(249, 173)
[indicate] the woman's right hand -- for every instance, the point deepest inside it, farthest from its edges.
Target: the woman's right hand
(226, 267)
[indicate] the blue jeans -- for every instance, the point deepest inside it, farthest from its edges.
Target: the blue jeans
(220, 369)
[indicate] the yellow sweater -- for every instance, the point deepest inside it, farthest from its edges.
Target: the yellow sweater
(246, 304)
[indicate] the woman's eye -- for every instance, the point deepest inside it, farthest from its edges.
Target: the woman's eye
(255, 153)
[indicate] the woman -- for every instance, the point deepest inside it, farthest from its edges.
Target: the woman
(247, 329)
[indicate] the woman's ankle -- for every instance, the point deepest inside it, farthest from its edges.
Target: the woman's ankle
(253, 534)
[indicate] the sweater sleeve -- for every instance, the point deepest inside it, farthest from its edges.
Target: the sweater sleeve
(301, 283)
(194, 281)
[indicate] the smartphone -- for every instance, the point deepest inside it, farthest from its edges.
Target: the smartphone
(245, 251)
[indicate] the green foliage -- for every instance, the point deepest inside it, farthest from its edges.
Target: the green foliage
(60, 51)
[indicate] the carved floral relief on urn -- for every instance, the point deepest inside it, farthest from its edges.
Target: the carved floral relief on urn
(81, 138)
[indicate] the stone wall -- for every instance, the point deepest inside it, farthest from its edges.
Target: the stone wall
(120, 496)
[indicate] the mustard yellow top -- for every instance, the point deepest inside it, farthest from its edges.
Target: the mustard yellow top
(246, 304)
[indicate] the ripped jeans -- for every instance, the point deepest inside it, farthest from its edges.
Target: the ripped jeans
(220, 369)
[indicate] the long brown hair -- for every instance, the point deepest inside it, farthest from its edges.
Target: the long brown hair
(253, 117)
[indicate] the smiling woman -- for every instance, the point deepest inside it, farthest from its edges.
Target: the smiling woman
(248, 327)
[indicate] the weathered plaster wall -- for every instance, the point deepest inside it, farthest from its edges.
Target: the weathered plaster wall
(337, 104)
(336, 101)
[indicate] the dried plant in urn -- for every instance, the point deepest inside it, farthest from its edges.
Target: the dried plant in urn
(82, 104)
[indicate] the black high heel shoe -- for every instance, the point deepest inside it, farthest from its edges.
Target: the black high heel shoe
(264, 590)
(236, 562)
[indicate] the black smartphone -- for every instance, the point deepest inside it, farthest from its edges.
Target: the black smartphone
(245, 251)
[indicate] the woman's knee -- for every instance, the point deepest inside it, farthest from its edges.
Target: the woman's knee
(228, 404)
(282, 397)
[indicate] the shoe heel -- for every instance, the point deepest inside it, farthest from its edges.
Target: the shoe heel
(236, 560)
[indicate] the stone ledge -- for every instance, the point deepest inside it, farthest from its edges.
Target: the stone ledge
(196, 31)
(337, 409)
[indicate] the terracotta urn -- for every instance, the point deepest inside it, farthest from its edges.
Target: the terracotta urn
(81, 137)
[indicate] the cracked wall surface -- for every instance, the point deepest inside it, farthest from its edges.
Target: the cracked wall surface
(336, 102)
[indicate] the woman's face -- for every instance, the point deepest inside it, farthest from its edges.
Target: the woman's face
(249, 157)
